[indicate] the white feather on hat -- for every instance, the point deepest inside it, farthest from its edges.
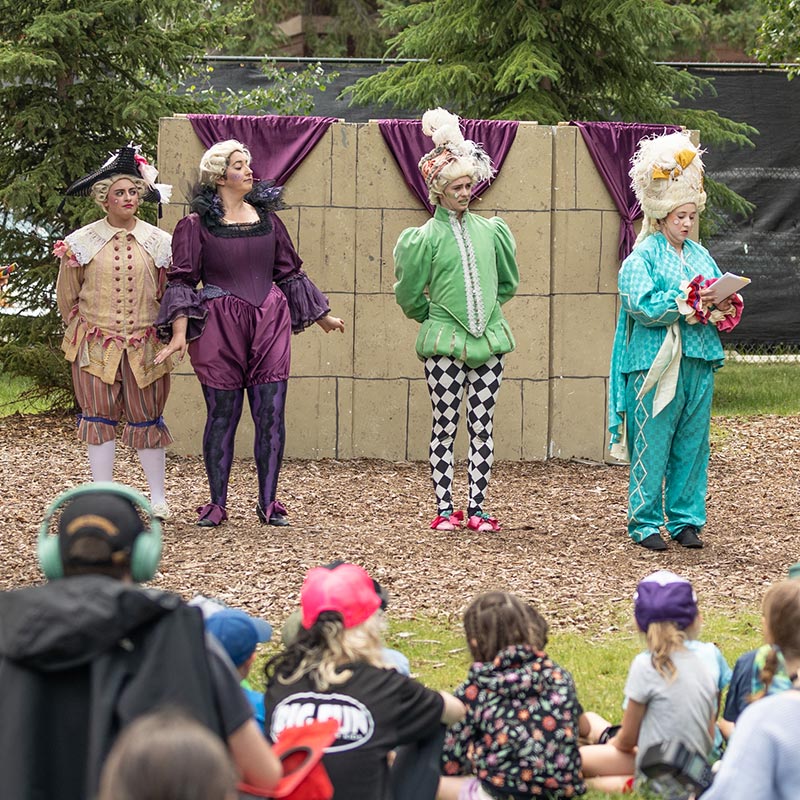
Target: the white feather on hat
(666, 172)
(442, 127)
(450, 145)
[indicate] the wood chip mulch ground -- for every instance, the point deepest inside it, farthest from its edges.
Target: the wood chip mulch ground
(563, 545)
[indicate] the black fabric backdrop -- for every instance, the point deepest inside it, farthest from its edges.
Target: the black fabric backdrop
(763, 247)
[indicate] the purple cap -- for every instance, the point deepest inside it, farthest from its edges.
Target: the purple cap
(664, 597)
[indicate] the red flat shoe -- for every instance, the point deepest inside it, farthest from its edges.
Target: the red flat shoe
(448, 522)
(483, 522)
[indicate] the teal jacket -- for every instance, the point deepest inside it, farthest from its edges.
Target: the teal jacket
(649, 285)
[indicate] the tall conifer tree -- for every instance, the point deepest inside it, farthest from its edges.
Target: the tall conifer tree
(78, 79)
(550, 61)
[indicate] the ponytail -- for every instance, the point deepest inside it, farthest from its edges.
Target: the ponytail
(663, 639)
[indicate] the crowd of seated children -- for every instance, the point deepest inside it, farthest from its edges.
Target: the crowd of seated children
(128, 679)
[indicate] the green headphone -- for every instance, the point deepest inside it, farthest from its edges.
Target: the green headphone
(146, 549)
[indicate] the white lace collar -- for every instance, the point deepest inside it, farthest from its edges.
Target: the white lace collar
(87, 241)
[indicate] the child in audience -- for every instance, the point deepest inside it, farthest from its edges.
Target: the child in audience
(749, 681)
(670, 692)
(240, 635)
(520, 736)
(167, 755)
(761, 761)
(334, 669)
(391, 657)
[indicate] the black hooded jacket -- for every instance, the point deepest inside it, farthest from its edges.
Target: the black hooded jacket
(80, 658)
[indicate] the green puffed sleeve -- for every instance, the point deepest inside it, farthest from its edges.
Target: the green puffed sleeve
(507, 269)
(412, 268)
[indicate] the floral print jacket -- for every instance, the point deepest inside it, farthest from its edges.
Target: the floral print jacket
(520, 734)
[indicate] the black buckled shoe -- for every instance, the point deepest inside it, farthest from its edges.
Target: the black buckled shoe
(653, 542)
(275, 518)
(688, 537)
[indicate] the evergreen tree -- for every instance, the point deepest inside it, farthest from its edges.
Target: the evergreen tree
(779, 35)
(353, 28)
(550, 60)
(78, 79)
(721, 25)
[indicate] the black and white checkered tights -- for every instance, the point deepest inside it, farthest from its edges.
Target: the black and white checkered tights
(446, 378)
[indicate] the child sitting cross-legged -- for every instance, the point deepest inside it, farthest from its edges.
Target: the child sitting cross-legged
(334, 669)
(671, 693)
(520, 736)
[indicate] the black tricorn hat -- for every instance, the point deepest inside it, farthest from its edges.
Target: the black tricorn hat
(122, 162)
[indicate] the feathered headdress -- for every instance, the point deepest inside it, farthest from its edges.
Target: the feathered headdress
(127, 160)
(666, 172)
(451, 148)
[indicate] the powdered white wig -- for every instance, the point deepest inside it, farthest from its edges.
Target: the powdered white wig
(100, 189)
(666, 172)
(216, 159)
(453, 157)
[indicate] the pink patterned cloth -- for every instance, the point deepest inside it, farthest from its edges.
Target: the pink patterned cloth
(704, 313)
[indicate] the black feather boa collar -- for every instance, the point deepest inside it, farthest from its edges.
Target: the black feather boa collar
(265, 196)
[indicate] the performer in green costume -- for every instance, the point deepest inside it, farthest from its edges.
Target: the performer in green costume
(453, 274)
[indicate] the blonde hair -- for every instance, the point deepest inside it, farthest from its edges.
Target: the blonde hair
(319, 652)
(663, 639)
(216, 159)
(101, 188)
(455, 169)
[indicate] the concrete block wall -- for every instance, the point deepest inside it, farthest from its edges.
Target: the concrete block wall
(363, 394)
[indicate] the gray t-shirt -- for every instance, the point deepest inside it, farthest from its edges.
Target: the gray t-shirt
(680, 709)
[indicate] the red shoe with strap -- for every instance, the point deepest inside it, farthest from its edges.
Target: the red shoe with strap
(448, 522)
(483, 522)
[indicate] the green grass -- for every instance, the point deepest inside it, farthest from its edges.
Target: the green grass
(598, 660)
(742, 389)
(13, 399)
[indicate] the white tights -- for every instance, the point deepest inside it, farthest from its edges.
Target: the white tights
(153, 461)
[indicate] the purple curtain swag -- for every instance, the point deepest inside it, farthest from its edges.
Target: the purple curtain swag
(611, 146)
(278, 144)
(407, 143)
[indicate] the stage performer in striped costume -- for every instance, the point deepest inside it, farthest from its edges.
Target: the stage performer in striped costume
(110, 282)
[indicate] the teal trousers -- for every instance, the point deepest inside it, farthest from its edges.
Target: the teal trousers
(669, 453)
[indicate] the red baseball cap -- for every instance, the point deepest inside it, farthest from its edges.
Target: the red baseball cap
(347, 589)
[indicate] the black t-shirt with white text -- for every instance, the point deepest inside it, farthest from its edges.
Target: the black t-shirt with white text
(377, 710)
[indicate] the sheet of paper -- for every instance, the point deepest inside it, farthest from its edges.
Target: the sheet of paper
(727, 285)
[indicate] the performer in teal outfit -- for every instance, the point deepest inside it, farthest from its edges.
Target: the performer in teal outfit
(667, 348)
(453, 274)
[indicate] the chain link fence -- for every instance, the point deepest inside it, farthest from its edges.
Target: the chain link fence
(763, 353)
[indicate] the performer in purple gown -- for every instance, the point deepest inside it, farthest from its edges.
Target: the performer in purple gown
(238, 327)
